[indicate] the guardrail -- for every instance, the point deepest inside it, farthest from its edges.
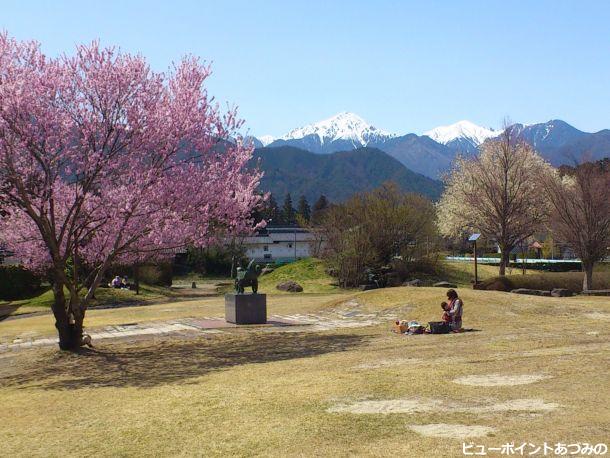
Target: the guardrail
(518, 260)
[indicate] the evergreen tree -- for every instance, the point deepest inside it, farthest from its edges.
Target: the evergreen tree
(320, 205)
(288, 212)
(272, 212)
(303, 208)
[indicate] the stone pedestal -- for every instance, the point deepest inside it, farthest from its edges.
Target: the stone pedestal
(246, 308)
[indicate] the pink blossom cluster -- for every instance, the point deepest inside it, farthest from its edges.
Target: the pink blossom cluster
(104, 158)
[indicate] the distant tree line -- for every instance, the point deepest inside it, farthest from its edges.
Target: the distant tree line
(287, 214)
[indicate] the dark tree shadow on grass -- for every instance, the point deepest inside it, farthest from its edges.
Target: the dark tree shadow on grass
(153, 363)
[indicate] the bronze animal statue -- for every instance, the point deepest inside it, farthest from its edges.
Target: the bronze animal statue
(246, 277)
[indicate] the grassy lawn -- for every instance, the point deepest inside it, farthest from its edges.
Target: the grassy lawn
(462, 273)
(341, 392)
(43, 325)
(310, 274)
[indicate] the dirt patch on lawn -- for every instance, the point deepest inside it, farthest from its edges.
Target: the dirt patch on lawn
(598, 316)
(389, 363)
(452, 431)
(516, 405)
(388, 406)
(410, 406)
(567, 350)
(499, 379)
(351, 303)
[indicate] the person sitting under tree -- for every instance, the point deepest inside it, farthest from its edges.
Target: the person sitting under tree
(116, 282)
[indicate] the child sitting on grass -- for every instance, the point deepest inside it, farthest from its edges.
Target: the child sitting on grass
(446, 318)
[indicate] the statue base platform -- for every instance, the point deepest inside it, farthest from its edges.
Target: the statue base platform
(246, 308)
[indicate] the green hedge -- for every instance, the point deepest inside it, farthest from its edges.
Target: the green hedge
(17, 283)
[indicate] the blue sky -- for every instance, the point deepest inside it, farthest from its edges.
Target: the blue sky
(403, 66)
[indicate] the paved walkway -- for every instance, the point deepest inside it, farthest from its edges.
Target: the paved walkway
(214, 325)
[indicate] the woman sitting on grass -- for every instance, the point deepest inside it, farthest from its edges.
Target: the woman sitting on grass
(454, 311)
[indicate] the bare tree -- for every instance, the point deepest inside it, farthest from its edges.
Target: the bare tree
(317, 242)
(370, 229)
(580, 212)
(496, 193)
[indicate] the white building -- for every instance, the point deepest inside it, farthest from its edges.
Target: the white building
(279, 244)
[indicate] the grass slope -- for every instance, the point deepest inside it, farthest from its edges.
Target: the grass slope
(460, 273)
(309, 273)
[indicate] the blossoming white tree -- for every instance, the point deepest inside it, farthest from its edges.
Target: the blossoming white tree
(103, 160)
(497, 193)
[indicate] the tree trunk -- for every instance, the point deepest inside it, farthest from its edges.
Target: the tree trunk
(587, 282)
(76, 315)
(61, 315)
(68, 319)
(136, 279)
(69, 324)
(504, 261)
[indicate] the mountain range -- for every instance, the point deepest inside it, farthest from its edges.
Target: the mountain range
(432, 153)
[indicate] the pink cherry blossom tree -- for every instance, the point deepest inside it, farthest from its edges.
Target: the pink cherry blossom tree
(103, 160)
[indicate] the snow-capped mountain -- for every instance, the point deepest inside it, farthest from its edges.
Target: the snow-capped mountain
(342, 126)
(463, 135)
(266, 139)
(341, 132)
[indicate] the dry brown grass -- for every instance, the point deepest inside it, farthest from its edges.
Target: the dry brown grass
(549, 280)
(462, 273)
(259, 393)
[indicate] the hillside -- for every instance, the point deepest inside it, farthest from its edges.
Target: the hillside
(339, 175)
(310, 273)
(560, 143)
(420, 154)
